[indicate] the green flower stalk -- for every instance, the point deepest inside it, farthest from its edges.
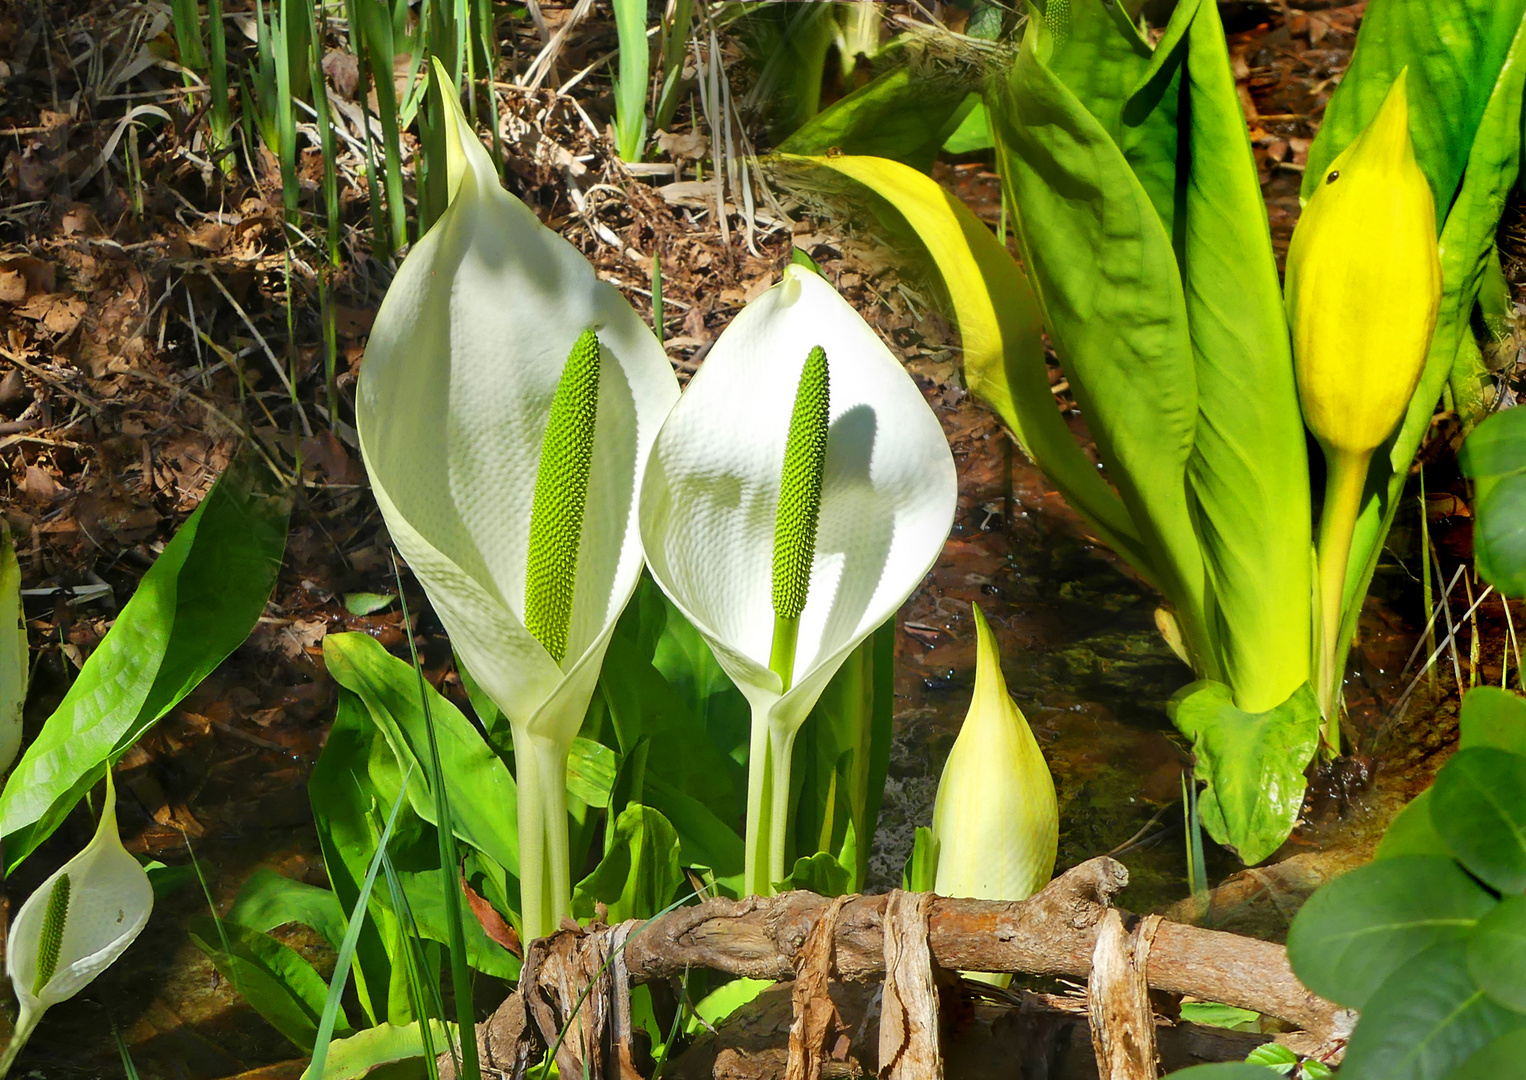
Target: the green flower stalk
(561, 494)
(1363, 289)
(805, 458)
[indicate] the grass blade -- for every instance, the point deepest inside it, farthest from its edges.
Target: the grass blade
(450, 863)
(631, 78)
(351, 939)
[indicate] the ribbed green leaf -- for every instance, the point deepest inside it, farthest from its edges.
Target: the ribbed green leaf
(1249, 466)
(1454, 50)
(196, 604)
(1106, 273)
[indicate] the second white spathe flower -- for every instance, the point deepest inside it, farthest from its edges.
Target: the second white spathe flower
(710, 496)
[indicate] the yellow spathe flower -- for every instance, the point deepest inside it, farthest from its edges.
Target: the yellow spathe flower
(996, 820)
(1364, 285)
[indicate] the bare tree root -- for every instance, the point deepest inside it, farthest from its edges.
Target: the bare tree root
(574, 991)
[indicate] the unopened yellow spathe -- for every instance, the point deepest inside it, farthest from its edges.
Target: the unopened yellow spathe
(1364, 284)
(996, 819)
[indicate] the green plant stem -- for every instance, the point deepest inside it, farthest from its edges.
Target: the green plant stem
(760, 805)
(26, 1023)
(1345, 478)
(781, 658)
(545, 883)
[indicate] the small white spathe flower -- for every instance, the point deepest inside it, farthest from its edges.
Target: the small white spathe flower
(75, 925)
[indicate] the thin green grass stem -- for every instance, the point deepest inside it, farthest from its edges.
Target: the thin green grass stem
(351, 940)
(450, 864)
(1345, 478)
(221, 110)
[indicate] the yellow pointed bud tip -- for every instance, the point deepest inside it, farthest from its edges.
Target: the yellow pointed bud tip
(990, 683)
(805, 457)
(1364, 284)
(561, 494)
(52, 934)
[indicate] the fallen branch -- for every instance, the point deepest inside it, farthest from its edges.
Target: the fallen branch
(1053, 933)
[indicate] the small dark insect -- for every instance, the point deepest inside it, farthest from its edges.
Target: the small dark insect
(1335, 174)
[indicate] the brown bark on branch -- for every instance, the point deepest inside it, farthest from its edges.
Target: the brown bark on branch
(1053, 933)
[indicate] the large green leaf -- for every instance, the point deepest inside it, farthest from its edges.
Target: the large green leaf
(819, 873)
(640, 874)
(385, 1044)
(1426, 1019)
(1224, 1070)
(1359, 929)
(13, 652)
(1505, 1056)
(1105, 271)
(1454, 50)
(643, 704)
(1467, 246)
(349, 814)
(1252, 763)
(1001, 333)
(275, 980)
(1494, 457)
(1412, 832)
(196, 604)
(1095, 48)
(268, 900)
(1479, 806)
(1491, 716)
(1497, 953)
(482, 798)
(904, 115)
(1249, 466)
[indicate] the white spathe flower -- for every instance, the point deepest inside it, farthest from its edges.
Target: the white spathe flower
(75, 925)
(710, 496)
(996, 819)
(463, 362)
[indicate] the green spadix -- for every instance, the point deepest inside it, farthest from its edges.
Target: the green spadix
(805, 458)
(561, 493)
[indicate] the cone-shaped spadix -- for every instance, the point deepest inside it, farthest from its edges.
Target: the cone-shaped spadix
(75, 925)
(710, 514)
(995, 820)
(454, 404)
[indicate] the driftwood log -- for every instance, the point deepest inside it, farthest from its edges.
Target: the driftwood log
(1053, 933)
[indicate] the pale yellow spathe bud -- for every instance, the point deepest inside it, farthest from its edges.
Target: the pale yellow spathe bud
(1364, 285)
(996, 819)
